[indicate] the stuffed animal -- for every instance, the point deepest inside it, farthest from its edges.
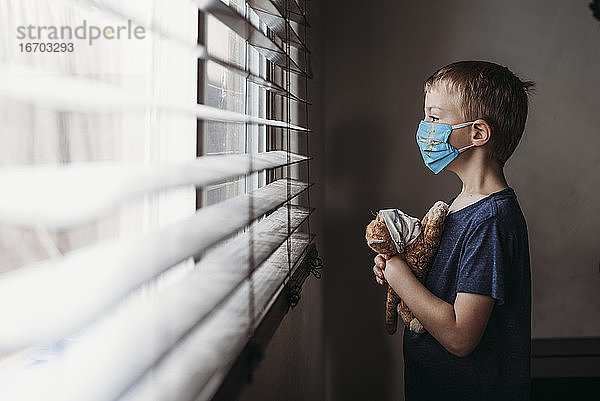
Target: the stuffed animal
(395, 232)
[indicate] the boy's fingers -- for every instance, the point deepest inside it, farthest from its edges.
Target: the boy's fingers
(379, 261)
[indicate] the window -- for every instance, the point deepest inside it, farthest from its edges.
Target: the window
(228, 90)
(155, 193)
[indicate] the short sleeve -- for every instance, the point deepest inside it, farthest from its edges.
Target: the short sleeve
(482, 266)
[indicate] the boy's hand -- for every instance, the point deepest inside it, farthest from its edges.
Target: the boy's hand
(380, 261)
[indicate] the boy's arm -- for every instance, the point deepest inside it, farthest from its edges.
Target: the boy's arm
(457, 327)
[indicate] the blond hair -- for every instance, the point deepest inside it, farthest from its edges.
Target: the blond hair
(490, 92)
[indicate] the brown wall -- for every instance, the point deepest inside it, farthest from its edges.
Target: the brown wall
(376, 58)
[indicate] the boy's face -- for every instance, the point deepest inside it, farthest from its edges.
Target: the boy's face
(442, 106)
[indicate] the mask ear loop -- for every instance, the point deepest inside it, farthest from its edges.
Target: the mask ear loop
(465, 148)
(461, 125)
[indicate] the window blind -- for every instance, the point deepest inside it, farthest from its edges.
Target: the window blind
(114, 286)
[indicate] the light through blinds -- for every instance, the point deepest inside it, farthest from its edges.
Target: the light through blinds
(154, 167)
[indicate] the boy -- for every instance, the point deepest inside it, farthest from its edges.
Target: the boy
(476, 300)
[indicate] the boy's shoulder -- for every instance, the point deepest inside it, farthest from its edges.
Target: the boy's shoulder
(500, 207)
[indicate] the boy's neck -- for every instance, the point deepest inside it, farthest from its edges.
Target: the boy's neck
(481, 176)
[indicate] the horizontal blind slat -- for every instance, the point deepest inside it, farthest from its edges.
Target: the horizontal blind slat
(69, 194)
(297, 14)
(216, 343)
(57, 296)
(61, 92)
(257, 79)
(129, 341)
(242, 27)
(274, 18)
(199, 50)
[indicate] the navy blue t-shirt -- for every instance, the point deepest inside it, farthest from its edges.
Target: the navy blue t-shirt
(484, 249)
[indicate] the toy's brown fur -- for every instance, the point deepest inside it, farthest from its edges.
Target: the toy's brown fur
(418, 255)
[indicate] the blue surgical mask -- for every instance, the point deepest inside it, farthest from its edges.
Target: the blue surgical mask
(432, 139)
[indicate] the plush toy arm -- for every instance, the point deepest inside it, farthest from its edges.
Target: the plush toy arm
(391, 311)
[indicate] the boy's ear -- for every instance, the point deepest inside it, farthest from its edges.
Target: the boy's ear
(482, 132)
